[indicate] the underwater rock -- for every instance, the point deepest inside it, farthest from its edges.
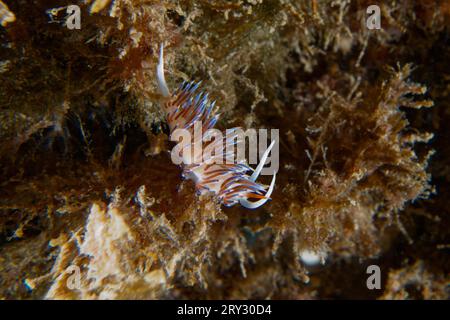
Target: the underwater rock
(92, 207)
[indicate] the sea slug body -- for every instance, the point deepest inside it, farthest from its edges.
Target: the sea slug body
(187, 107)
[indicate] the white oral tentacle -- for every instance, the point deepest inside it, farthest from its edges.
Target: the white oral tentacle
(253, 205)
(162, 85)
(262, 162)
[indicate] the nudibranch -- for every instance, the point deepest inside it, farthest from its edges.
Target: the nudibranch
(228, 181)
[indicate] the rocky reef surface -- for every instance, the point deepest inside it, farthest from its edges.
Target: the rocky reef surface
(87, 184)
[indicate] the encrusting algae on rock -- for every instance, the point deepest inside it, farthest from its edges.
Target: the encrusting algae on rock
(92, 207)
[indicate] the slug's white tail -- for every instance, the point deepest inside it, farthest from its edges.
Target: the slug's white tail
(162, 85)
